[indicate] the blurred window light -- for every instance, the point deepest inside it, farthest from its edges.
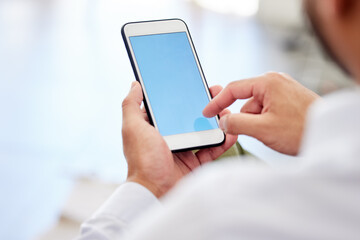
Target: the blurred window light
(245, 8)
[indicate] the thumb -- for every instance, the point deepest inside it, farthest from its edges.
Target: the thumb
(132, 102)
(253, 125)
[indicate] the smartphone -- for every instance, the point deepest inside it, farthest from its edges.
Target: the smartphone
(165, 63)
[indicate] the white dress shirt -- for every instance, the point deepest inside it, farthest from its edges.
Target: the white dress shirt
(319, 198)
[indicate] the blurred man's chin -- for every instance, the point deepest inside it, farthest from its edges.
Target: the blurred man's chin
(313, 17)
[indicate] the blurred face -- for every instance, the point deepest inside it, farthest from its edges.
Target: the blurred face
(317, 22)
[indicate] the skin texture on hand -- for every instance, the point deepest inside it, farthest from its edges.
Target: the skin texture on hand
(274, 114)
(150, 161)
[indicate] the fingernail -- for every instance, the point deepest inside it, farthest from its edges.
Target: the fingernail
(223, 123)
(133, 84)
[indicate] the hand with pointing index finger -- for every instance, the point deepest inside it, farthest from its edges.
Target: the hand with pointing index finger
(274, 114)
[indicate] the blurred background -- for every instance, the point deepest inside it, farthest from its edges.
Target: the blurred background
(64, 72)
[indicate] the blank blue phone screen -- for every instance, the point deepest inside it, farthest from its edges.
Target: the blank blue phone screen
(173, 82)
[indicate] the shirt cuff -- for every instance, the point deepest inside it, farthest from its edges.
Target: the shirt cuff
(128, 202)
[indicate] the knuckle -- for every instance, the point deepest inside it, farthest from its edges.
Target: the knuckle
(231, 85)
(126, 102)
(272, 74)
(273, 78)
(232, 89)
(230, 123)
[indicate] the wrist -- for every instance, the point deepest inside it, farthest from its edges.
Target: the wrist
(151, 187)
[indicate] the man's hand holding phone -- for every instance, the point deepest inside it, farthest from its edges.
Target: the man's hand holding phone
(165, 62)
(274, 114)
(150, 161)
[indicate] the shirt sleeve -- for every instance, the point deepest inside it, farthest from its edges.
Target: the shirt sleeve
(115, 216)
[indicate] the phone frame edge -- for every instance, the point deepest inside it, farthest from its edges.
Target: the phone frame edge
(137, 79)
